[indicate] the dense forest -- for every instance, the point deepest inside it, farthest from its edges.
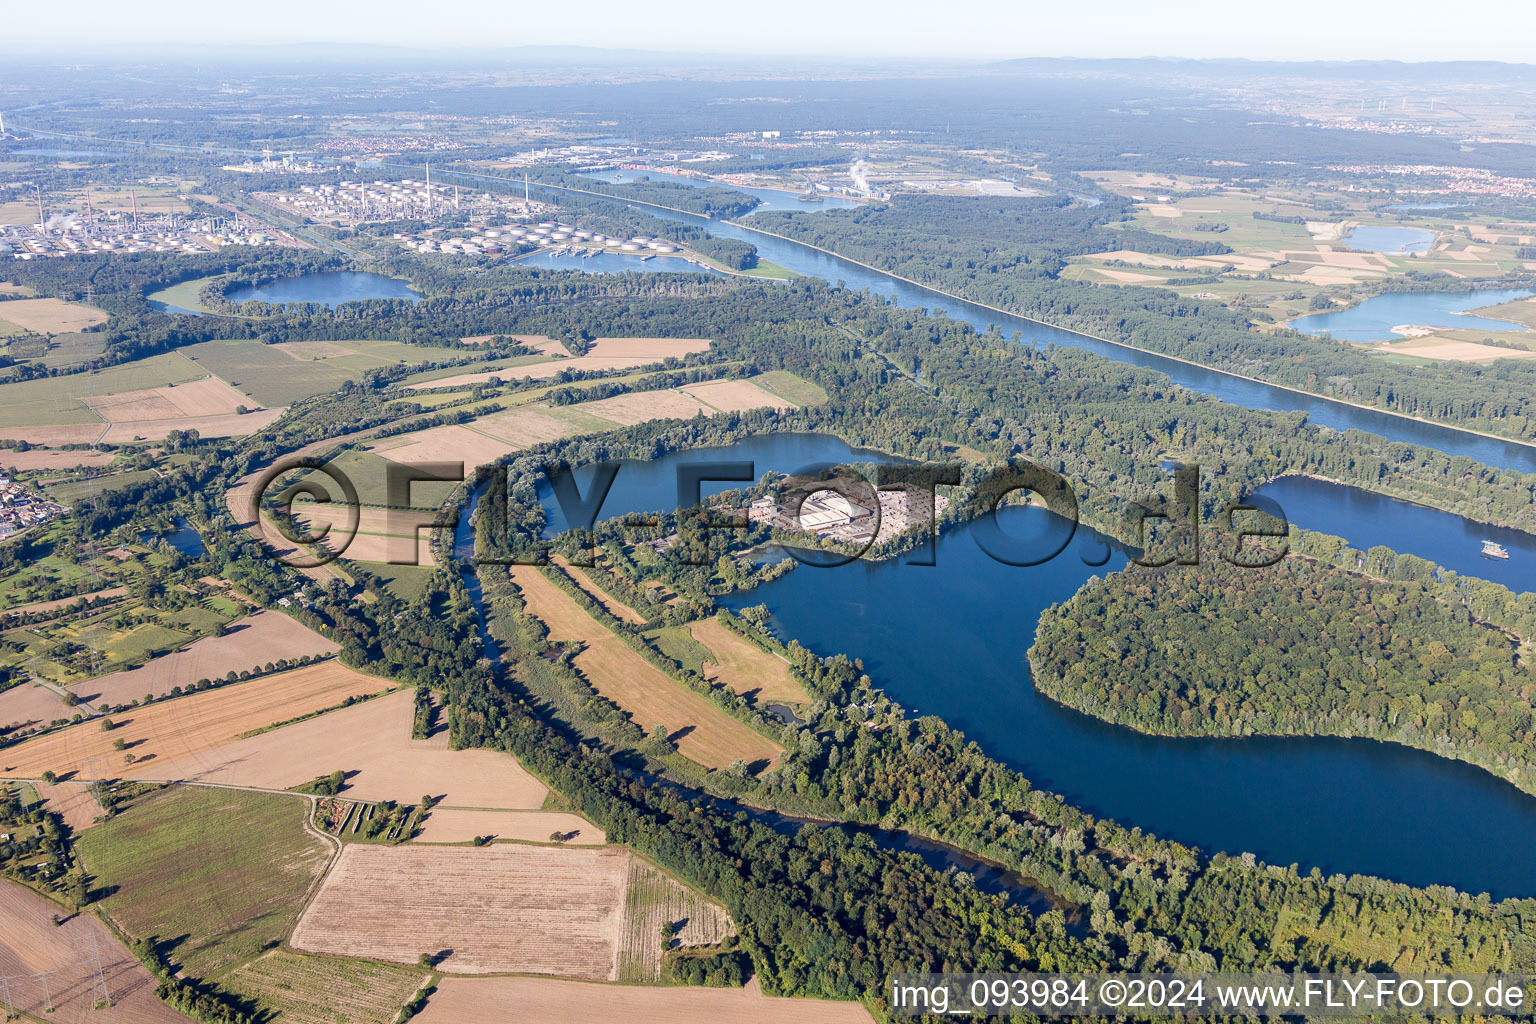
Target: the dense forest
(1340, 643)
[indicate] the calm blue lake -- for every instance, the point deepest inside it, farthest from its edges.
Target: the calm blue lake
(330, 289)
(951, 640)
(1374, 318)
(1366, 519)
(1389, 239)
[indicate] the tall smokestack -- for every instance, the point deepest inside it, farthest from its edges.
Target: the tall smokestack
(429, 189)
(42, 221)
(525, 191)
(135, 197)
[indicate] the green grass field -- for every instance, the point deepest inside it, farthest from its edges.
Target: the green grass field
(51, 401)
(216, 875)
(679, 645)
(273, 377)
(406, 582)
(787, 385)
(325, 990)
(71, 491)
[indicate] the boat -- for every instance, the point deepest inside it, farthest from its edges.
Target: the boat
(644, 259)
(1492, 550)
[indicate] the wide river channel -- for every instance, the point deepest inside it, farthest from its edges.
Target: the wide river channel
(951, 640)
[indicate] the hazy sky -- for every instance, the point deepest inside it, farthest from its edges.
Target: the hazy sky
(1293, 29)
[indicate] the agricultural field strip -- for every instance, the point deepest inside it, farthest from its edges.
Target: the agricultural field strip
(502, 908)
(651, 697)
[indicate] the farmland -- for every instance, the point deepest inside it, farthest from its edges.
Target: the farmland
(214, 873)
(462, 825)
(703, 732)
(28, 704)
(50, 316)
(583, 580)
(186, 727)
(274, 376)
(32, 945)
(500, 908)
(146, 398)
(72, 801)
(744, 666)
(372, 742)
(653, 900)
(246, 644)
(324, 990)
(602, 354)
(548, 1001)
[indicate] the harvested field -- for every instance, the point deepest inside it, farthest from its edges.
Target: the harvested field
(248, 643)
(36, 458)
(549, 1001)
(227, 425)
(1455, 351)
(216, 873)
(639, 406)
(372, 740)
(536, 371)
(58, 436)
(207, 397)
(744, 666)
(736, 396)
(654, 349)
(324, 990)
(187, 726)
(50, 316)
(502, 908)
(72, 801)
(461, 825)
(28, 704)
(702, 731)
(400, 536)
(582, 579)
(309, 350)
(30, 945)
(653, 899)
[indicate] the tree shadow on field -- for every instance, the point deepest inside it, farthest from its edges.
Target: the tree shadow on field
(684, 731)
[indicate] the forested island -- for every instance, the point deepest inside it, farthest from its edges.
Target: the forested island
(1329, 641)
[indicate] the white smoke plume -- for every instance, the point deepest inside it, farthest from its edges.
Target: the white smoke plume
(859, 172)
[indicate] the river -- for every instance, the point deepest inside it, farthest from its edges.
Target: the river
(811, 262)
(952, 639)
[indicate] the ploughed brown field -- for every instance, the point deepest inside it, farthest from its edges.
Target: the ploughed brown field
(702, 731)
(372, 743)
(549, 1001)
(28, 704)
(31, 945)
(502, 908)
(186, 726)
(72, 801)
(247, 643)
